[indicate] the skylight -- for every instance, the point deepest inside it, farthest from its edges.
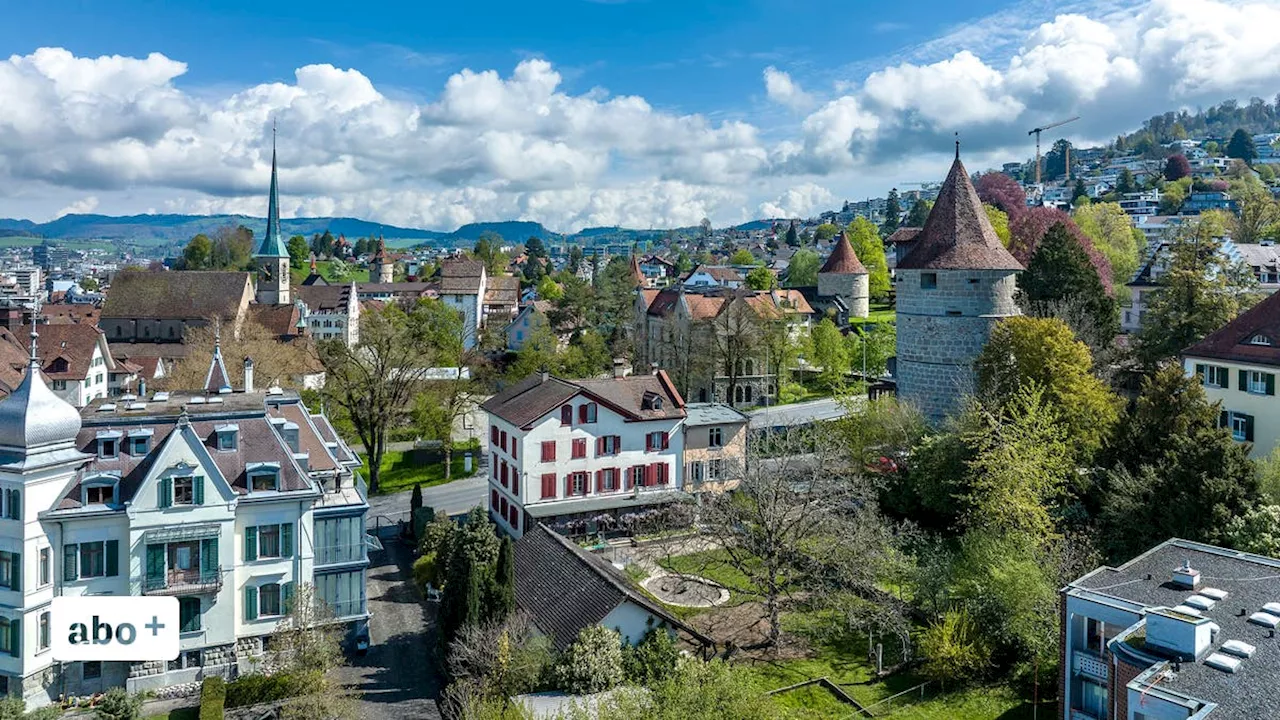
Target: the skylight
(1225, 663)
(1264, 619)
(1238, 648)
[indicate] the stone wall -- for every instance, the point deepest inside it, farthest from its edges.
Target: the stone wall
(855, 289)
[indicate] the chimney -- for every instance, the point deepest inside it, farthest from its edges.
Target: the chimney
(621, 368)
(545, 375)
(1186, 577)
(653, 368)
(248, 374)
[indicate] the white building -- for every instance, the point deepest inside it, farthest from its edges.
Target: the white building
(1141, 203)
(226, 500)
(331, 312)
(570, 452)
(462, 287)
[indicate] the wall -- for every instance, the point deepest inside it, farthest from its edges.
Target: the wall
(631, 621)
(734, 454)
(855, 289)
(1264, 408)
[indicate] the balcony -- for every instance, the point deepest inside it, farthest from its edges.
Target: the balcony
(183, 582)
(1090, 665)
(349, 608)
(344, 553)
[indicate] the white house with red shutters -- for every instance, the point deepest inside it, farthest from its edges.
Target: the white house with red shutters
(574, 454)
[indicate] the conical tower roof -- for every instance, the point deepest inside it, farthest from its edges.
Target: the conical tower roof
(33, 417)
(957, 234)
(272, 242)
(637, 276)
(843, 260)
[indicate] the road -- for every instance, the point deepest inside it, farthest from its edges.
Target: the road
(797, 413)
(450, 498)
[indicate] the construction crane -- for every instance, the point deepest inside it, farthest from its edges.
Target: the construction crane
(1037, 131)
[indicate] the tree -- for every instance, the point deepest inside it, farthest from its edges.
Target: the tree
(653, 659)
(1055, 161)
(830, 354)
(802, 270)
(1078, 192)
(307, 640)
(488, 250)
(1026, 352)
(892, 213)
(232, 249)
(299, 251)
(89, 283)
(1109, 229)
(1003, 192)
(1060, 274)
(919, 213)
(462, 600)
(1173, 195)
(534, 248)
(1200, 291)
(705, 227)
(999, 223)
(500, 657)
(1258, 212)
(870, 251)
(592, 664)
(1257, 531)
(762, 278)
(548, 289)
(696, 690)
(1241, 146)
(1176, 167)
(793, 239)
(196, 255)
(1126, 183)
(374, 380)
(119, 704)
(284, 364)
(825, 232)
(1030, 227)
(502, 596)
(742, 256)
(322, 244)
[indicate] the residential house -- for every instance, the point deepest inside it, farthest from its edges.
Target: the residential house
(463, 284)
(1263, 260)
(1146, 202)
(332, 311)
(501, 299)
(1184, 631)
(532, 317)
(1157, 227)
(715, 447)
(1200, 201)
(705, 276)
(227, 500)
(582, 455)
(1237, 365)
(658, 271)
(77, 362)
(549, 565)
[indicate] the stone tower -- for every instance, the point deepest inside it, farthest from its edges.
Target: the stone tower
(844, 276)
(272, 257)
(953, 287)
(381, 267)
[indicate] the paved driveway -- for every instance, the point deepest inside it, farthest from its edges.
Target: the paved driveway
(396, 678)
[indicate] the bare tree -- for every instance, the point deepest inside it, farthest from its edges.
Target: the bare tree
(275, 362)
(734, 336)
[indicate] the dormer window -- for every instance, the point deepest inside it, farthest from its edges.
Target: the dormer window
(139, 442)
(263, 477)
(652, 401)
(109, 444)
(1260, 339)
(227, 437)
(100, 491)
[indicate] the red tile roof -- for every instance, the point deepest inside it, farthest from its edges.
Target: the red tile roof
(957, 235)
(1232, 341)
(843, 260)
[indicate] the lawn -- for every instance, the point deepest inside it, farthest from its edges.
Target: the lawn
(186, 713)
(712, 565)
(400, 472)
(325, 269)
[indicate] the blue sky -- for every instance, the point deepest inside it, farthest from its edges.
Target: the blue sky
(575, 113)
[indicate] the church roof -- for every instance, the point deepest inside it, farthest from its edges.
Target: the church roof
(843, 260)
(957, 234)
(272, 242)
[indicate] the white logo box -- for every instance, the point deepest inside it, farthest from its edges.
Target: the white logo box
(103, 627)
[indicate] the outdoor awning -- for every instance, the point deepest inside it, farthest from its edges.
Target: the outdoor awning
(606, 502)
(179, 534)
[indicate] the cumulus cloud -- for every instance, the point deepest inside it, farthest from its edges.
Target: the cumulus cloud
(783, 90)
(80, 207)
(493, 144)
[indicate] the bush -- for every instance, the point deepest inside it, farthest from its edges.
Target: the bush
(48, 712)
(653, 660)
(424, 570)
(118, 704)
(593, 663)
(213, 697)
(952, 650)
(256, 689)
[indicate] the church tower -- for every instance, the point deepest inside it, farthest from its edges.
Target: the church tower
(272, 257)
(953, 287)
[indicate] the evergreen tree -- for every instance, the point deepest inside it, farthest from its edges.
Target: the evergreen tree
(415, 500)
(533, 247)
(892, 213)
(1126, 183)
(502, 596)
(919, 213)
(793, 239)
(1079, 191)
(1241, 146)
(1060, 275)
(462, 601)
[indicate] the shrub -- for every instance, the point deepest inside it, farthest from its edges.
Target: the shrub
(424, 570)
(256, 689)
(952, 650)
(593, 663)
(213, 697)
(653, 660)
(48, 712)
(119, 704)
(11, 708)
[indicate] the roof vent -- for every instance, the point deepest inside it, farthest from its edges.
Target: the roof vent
(1200, 602)
(1264, 619)
(1186, 577)
(107, 407)
(1225, 663)
(1238, 648)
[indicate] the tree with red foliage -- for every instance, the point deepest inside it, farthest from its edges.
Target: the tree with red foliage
(1029, 229)
(1002, 191)
(1176, 167)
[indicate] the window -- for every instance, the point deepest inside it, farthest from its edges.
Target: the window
(493, 499)
(91, 560)
(655, 441)
(1260, 383)
(269, 600)
(928, 281)
(188, 614)
(46, 567)
(1242, 427)
(549, 451)
(493, 434)
(566, 415)
(91, 670)
(637, 477)
(106, 447)
(502, 440)
(268, 541)
(226, 440)
(579, 448)
(715, 469)
(513, 448)
(608, 445)
(503, 473)
(12, 504)
(715, 437)
(1260, 339)
(59, 384)
(548, 485)
(261, 482)
(1213, 375)
(1095, 635)
(140, 445)
(502, 507)
(1093, 698)
(577, 484)
(696, 472)
(587, 413)
(515, 517)
(493, 464)
(608, 480)
(99, 494)
(43, 638)
(184, 490)
(660, 473)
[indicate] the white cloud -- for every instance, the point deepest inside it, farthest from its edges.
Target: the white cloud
(80, 207)
(492, 145)
(783, 90)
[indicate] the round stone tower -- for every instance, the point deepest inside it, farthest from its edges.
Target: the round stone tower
(844, 276)
(952, 288)
(381, 267)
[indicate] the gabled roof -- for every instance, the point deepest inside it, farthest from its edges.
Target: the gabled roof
(903, 235)
(957, 235)
(1232, 341)
(502, 290)
(637, 276)
(843, 260)
(539, 394)
(72, 343)
(279, 320)
(567, 589)
(325, 298)
(720, 273)
(176, 295)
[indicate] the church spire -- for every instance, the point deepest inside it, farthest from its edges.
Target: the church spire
(272, 243)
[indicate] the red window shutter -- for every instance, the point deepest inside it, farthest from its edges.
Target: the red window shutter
(502, 507)
(513, 448)
(579, 448)
(515, 482)
(582, 413)
(503, 441)
(599, 446)
(662, 474)
(548, 485)
(515, 518)
(599, 481)
(617, 478)
(666, 440)
(617, 444)
(549, 451)
(568, 485)
(493, 434)
(504, 473)
(648, 475)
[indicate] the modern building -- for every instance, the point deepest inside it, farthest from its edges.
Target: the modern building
(1184, 631)
(1237, 365)
(1199, 202)
(1137, 204)
(227, 500)
(954, 285)
(580, 455)
(715, 447)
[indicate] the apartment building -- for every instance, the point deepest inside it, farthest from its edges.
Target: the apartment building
(580, 455)
(227, 500)
(715, 447)
(1184, 631)
(1237, 365)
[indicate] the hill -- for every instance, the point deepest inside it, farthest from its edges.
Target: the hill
(167, 229)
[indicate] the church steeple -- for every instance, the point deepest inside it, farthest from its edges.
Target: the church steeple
(272, 243)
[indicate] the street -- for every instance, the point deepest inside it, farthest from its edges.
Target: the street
(797, 413)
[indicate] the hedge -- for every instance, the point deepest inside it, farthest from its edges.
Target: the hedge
(213, 697)
(256, 689)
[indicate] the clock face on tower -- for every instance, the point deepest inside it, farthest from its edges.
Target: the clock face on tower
(266, 272)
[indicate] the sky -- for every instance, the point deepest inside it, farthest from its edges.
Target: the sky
(579, 113)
